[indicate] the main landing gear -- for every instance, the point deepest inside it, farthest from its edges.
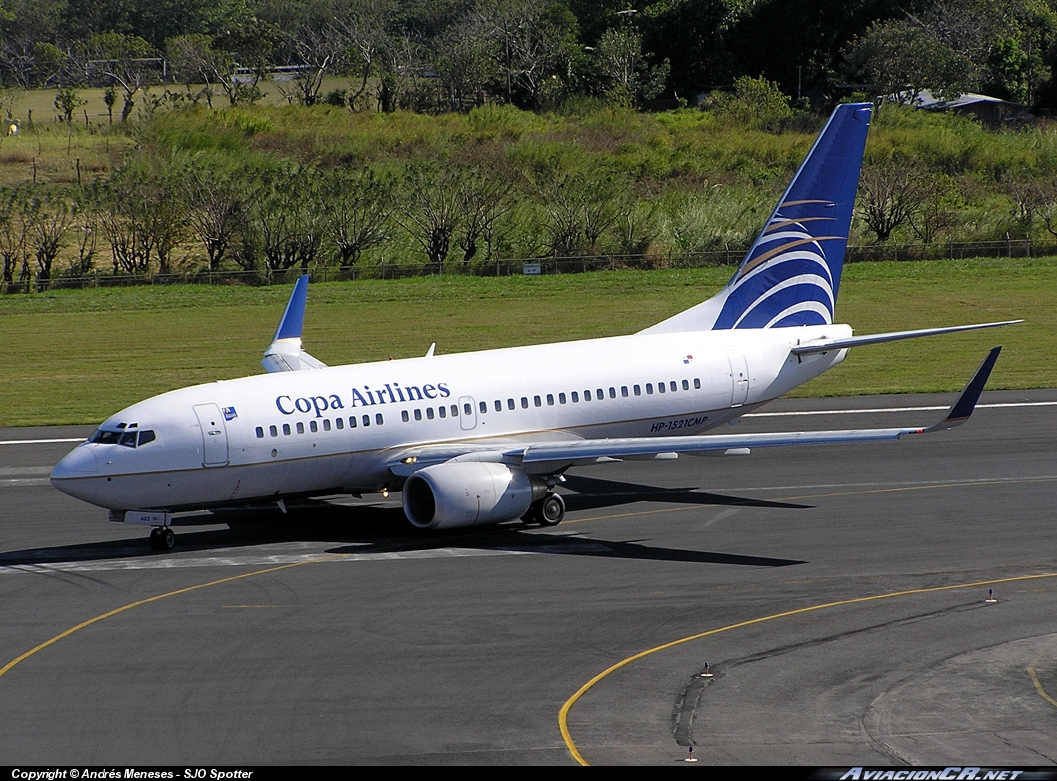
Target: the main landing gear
(162, 538)
(548, 511)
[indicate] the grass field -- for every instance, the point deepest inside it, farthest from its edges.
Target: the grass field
(79, 356)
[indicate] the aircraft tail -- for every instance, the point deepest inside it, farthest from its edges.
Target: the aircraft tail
(791, 273)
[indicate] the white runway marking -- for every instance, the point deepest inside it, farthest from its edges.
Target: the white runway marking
(143, 561)
(38, 441)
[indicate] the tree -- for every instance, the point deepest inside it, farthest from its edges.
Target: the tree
(754, 103)
(127, 61)
(359, 204)
(890, 192)
(286, 218)
(431, 210)
(316, 53)
(217, 199)
(901, 58)
(483, 200)
(48, 219)
(251, 47)
(624, 69)
(67, 101)
(13, 229)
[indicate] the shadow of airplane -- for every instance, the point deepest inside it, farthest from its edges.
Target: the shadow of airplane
(592, 494)
(367, 529)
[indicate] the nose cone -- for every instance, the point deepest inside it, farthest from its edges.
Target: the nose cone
(81, 462)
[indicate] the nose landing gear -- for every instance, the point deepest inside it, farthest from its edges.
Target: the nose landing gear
(162, 538)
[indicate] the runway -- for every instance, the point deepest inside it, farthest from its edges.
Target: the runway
(837, 594)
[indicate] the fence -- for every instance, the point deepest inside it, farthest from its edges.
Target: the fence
(1008, 248)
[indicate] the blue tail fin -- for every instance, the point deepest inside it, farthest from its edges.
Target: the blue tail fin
(791, 274)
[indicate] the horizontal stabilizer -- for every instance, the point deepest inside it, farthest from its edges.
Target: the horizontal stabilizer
(284, 354)
(826, 345)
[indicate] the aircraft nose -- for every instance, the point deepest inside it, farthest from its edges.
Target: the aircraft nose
(81, 461)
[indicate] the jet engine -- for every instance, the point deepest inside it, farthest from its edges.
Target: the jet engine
(468, 493)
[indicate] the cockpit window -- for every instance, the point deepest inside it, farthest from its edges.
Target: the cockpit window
(128, 438)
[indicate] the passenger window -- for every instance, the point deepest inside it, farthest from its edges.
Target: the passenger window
(550, 399)
(366, 420)
(286, 429)
(455, 410)
(624, 391)
(483, 406)
(660, 387)
(510, 404)
(467, 409)
(599, 395)
(148, 436)
(404, 416)
(442, 411)
(576, 397)
(498, 405)
(561, 398)
(352, 421)
(340, 423)
(418, 414)
(524, 402)
(326, 424)
(649, 388)
(672, 386)
(273, 431)
(697, 384)
(537, 401)
(637, 389)
(313, 427)
(686, 385)
(587, 395)
(300, 428)
(260, 432)
(378, 419)
(429, 413)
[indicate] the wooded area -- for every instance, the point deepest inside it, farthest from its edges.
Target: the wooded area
(440, 55)
(462, 133)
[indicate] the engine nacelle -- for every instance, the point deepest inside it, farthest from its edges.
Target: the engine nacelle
(467, 493)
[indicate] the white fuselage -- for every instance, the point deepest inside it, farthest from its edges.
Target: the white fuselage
(337, 429)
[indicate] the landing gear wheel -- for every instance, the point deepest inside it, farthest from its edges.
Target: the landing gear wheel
(551, 510)
(162, 538)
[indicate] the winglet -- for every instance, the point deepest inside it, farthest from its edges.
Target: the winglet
(970, 395)
(284, 354)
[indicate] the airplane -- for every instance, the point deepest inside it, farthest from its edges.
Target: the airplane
(485, 437)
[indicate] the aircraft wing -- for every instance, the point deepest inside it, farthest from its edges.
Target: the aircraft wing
(284, 354)
(557, 455)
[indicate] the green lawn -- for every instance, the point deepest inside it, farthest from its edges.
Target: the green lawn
(78, 356)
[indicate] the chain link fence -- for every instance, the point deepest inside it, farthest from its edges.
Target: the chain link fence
(1008, 248)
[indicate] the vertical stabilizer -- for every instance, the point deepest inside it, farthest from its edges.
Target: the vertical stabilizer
(791, 274)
